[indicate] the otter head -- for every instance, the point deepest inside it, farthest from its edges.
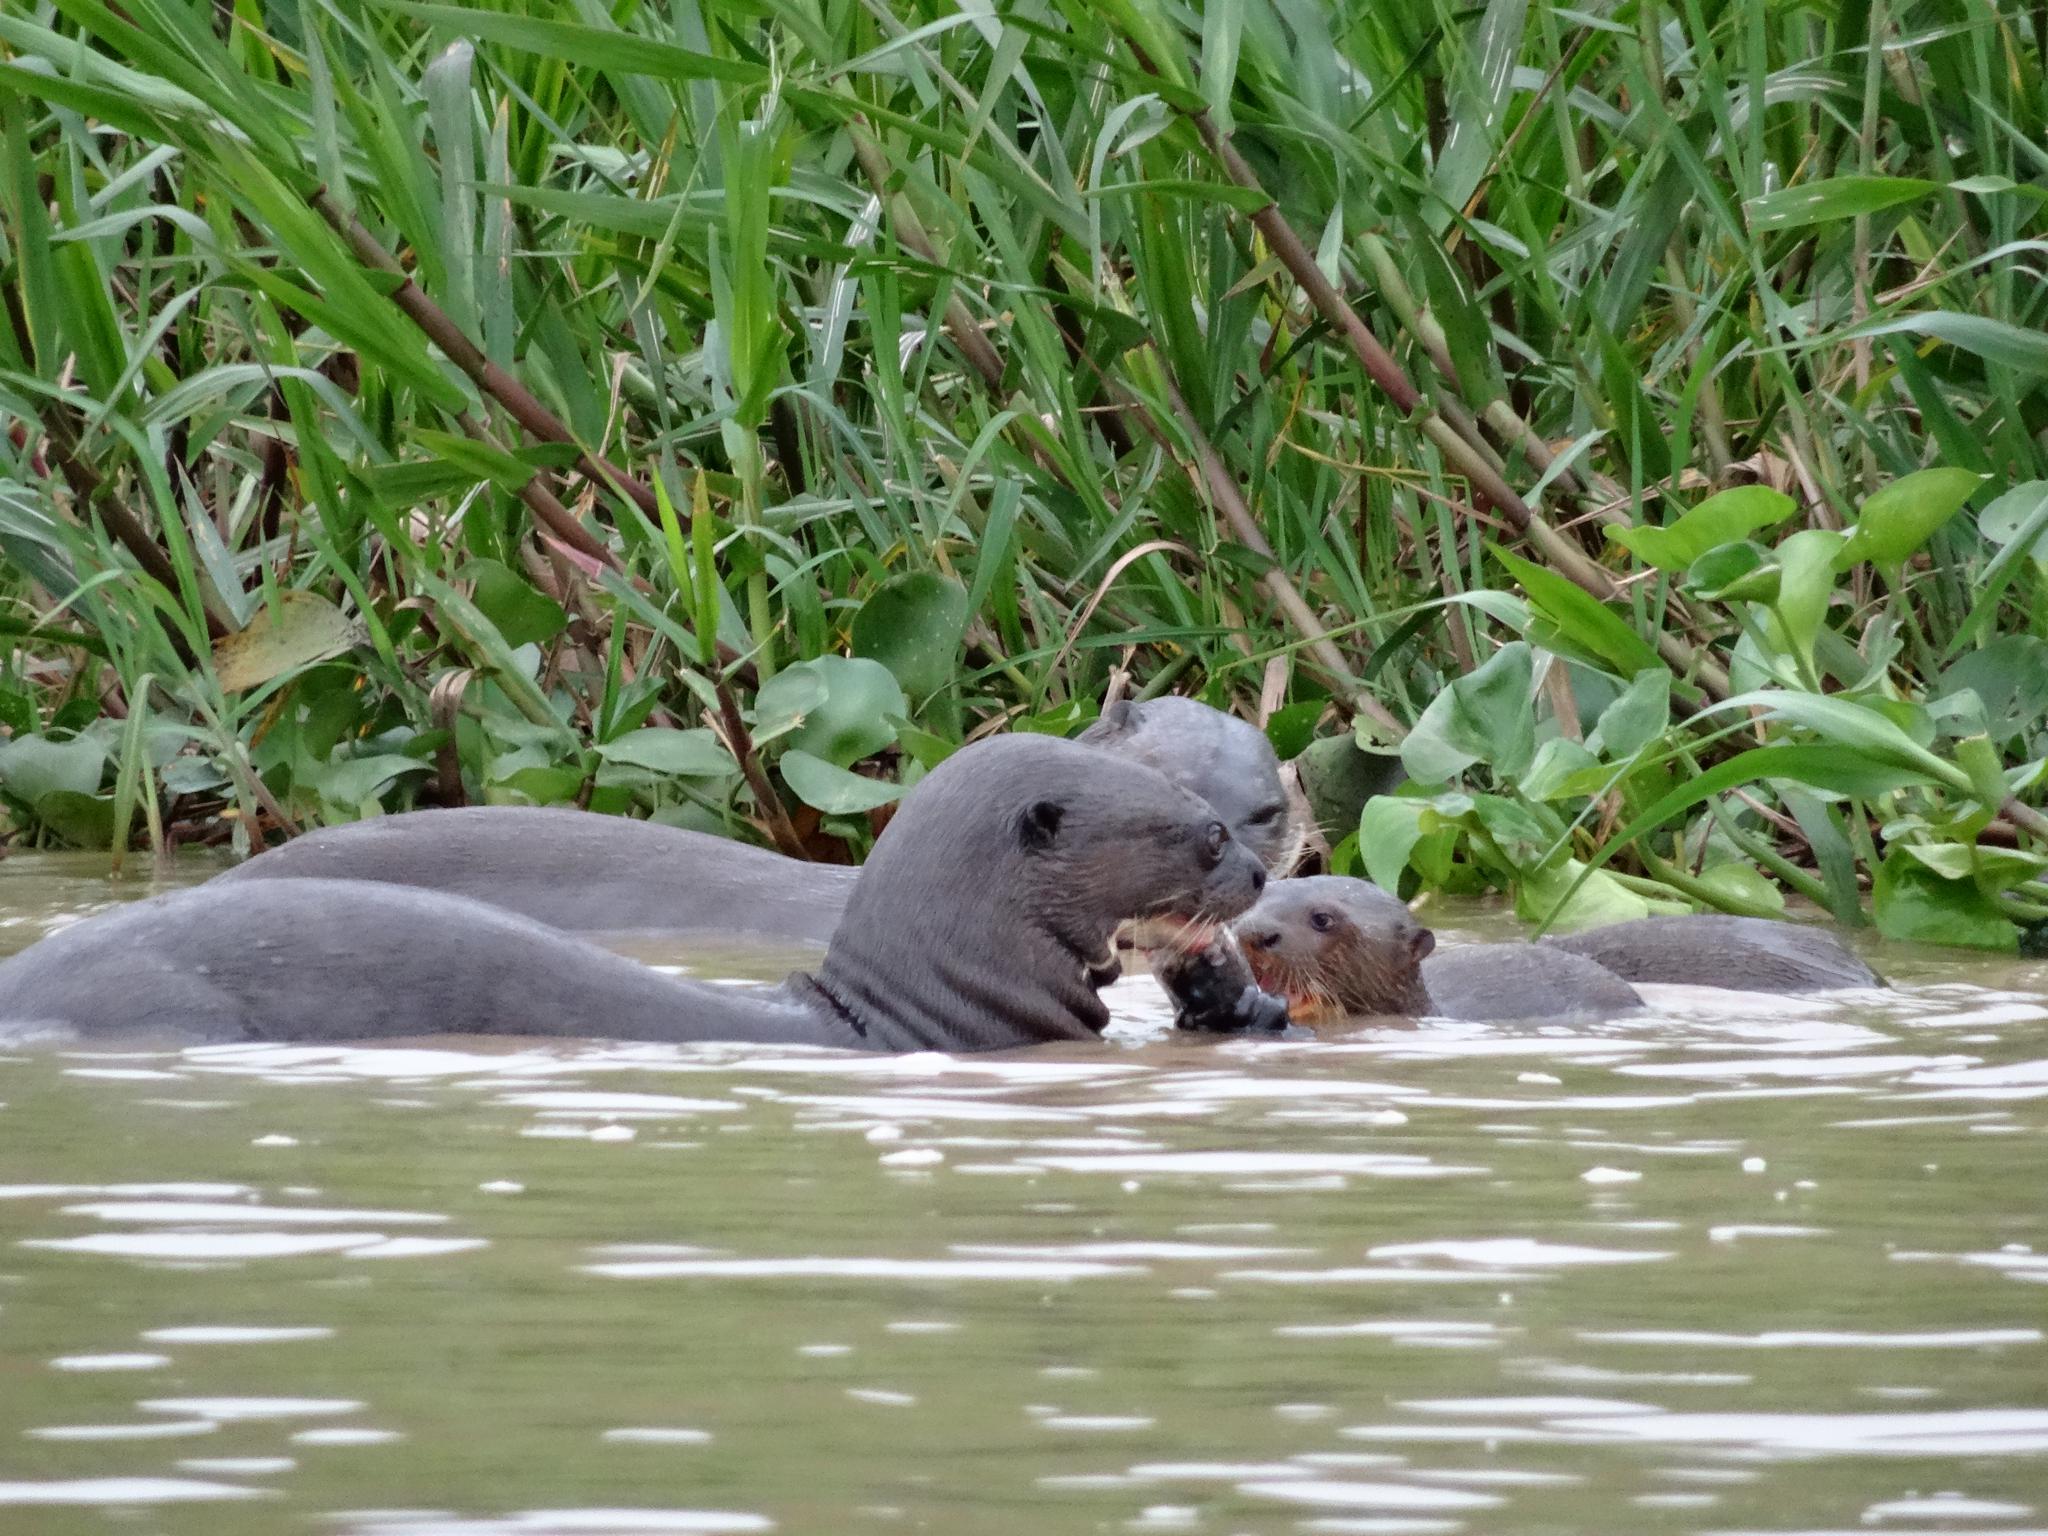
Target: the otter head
(1336, 948)
(985, 912)
(1227, 761)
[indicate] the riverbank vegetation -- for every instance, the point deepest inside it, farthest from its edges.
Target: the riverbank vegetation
(1629, 421)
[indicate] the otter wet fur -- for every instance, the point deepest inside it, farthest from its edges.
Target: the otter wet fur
(982, 921)
(587, 873)
(1336, 948)
(1709, 949)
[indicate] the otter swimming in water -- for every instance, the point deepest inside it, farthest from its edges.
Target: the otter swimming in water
(1337, 948)
(983, 920)
(588, 873)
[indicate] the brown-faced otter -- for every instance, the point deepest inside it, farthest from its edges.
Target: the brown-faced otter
(1337, 948)
(1708, 949)
(983, 920)
(586, 873)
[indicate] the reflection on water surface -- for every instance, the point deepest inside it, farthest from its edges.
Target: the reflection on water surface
(1739, 1266)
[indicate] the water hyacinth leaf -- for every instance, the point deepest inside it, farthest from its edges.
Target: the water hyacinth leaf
(1857, 730)
(1581, 617)
(912, 624)
(1485, 717)
(524, 614)
(832, 789)
(1388, 829)
(1913, 902)
(786, 700)
(1742, 572)
(34, 766)
(1570, 896)
(1637, 718)
(80, 820)
(1563, 768)
(1725, 518)
(1806, 584)
(1897, 521)
(1839, 197)
(855, 696)
(1991, 868)
(1293, 726)
(694, 753)
(352, 782)
(2009, 677)
(286, 635)
(1741, 886)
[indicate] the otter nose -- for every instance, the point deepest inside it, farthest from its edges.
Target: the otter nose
(1258, 880)
(1264, 938)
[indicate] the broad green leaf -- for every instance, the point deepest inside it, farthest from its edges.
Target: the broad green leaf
(286, 635)
(524, 614)
(1852, 728)
(1742, 885)
(1485, 717)
(1720, 519)
(1388, 829)
(2019, 518)
(353, 781)
(1293, 727)
(34, 766)
(1564, 769)
(1581, 617)
(1567, 895)
(1743, 572)
(1839, 197)
(694, 753)
(1896, 522)
(81, 820)
(832, 789)
(1637, 718)
(837, 707)
(1807, 561)
(912, 624)
(1913, 902)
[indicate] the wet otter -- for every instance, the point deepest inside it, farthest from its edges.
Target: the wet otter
(607, 874)
(1709, 949)
(983, 920)
(1338, 948)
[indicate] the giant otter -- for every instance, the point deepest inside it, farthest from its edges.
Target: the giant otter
(983, 920)
(1338, 948)
(590, 874)
(1708, 949)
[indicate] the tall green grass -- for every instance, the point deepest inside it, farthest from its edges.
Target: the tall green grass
(721, 412)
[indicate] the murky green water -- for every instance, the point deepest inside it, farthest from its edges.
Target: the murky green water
(1739, 1266)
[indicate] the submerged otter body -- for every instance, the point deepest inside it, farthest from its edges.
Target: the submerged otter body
(588, 873)
(983, 921)
(1341, 948)
(1709, 949)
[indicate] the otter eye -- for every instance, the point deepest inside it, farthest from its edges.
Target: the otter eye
(1213, 843)
(1265, 816)
(1322, 922)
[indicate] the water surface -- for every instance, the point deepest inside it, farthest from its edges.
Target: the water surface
(1741, 1265)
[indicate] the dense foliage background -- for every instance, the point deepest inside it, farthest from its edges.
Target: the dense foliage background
(1631, 415)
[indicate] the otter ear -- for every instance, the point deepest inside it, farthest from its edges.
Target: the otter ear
(1038, 824)
(1422, 943)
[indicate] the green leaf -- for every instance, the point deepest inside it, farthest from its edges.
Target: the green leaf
(1388, 829)
(1743, 572)
(2019, 517)
(1293, 727)
(1563, 768)
(1902, 517)
(286, 635)
(355, 780)
(1484, 717)
(695, 753)
(1852, 728)
(1720, 519)
(1637, 718)
(81, 820)
(912, 624)
(34, 766)
(1742, 886)
(1826, 202)
(1913, 902)
(1581, 617)
(524, 614)
(1807, 562)
(1568, 895)
(836, 707)
(834, 790)
(2025, 351)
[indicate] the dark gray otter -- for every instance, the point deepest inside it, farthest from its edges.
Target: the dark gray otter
(607, 874)
(1754, 954)
(1337, 948)
(983, 920)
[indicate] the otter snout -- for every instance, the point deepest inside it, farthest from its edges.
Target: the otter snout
(1235, 883)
